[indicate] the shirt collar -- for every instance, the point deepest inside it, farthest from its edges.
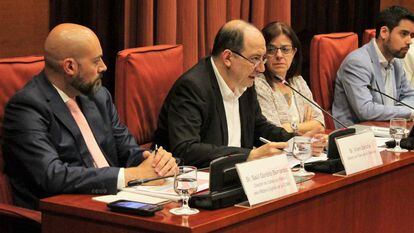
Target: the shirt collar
(226, 92)
(384, 63)
(62, 94)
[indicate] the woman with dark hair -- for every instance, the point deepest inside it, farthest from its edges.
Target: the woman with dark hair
(280, 105)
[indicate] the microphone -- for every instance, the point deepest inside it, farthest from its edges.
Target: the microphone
(143, 181)
(334, 163)
(310, 101)
(382, 93)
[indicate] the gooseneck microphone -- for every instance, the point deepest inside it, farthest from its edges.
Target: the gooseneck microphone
(382, 93)
(309, 100)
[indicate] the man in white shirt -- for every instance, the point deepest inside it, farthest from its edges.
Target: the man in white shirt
(212, 109)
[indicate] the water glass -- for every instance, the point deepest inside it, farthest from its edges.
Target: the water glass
(185, 184)
(398, 131)
(302, 151)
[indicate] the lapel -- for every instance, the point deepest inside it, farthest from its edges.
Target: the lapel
(62, 113)
(244, 118)
(378, 80)
(95, 121)
(219, 101)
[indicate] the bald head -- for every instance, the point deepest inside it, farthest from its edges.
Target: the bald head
(68, 41)
(73, 59)
(232, 36)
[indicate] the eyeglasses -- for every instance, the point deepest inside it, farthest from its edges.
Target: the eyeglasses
(255, 61)
(285, 49)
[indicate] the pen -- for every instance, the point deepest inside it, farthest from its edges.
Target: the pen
(264, 140)
(156, 149)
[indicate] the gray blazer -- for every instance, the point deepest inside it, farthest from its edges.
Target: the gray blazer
(354, 102)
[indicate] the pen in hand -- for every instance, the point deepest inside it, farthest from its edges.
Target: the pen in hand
(156, 149)
(264, 140)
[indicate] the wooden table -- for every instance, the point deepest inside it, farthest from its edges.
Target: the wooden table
(376, 200)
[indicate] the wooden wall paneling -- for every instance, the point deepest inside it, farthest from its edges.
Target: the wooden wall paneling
(24, 26)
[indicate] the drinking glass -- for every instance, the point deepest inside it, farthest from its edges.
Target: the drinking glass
(302, 150)
(398, 130)
(185, 184)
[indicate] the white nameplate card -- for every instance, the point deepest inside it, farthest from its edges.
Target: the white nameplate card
(358, 152)
(266, 179)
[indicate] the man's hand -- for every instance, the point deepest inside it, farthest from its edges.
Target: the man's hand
(153, 166)
(268, 149)
(163, 163)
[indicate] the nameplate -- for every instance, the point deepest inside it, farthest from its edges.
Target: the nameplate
(358, 152)
(266, 179)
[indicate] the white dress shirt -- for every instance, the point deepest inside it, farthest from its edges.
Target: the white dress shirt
(231, 107)
(387, 75)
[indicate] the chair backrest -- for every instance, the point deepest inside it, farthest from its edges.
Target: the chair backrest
(14, 74)
(326, 55)
(143, 78)
(368, 35)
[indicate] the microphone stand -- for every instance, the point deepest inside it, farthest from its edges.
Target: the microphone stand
(382, 93)
(333, 164)
(310, 101)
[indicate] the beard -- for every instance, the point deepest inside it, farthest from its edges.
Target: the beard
(396, 53)
(87, 88)
(400, 53)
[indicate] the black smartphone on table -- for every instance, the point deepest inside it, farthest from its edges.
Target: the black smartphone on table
(133, 207)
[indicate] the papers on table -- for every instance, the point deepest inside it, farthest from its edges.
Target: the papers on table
(155, 194)
(383, 132)
(167, 189)
(381, 143)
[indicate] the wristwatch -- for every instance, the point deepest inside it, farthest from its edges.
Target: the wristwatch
(294, 127)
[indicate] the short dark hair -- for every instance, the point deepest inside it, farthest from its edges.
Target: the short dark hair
(275, 29)
(391, 17)
(228, 38)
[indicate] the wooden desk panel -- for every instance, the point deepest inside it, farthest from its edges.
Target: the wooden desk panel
(377, 200)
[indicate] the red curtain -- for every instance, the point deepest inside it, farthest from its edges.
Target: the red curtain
(194, 23)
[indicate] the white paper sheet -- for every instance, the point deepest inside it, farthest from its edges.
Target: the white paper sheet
(167, 189)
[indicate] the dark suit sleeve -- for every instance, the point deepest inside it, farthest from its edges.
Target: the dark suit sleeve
(188, 115)
(128, 152)
(32, 156)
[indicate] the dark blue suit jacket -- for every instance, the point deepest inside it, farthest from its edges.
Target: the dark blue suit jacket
(45, 153)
